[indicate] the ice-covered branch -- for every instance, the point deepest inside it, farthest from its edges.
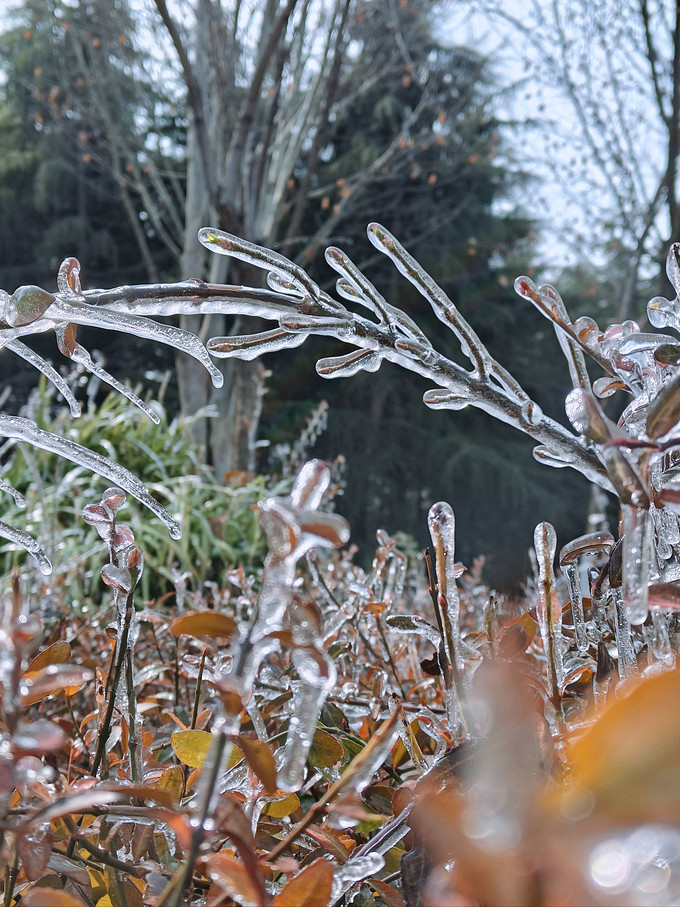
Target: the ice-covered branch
(302, 309)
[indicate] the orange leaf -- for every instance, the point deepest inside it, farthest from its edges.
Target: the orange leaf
(626, 766)
(56, 654)
(203, 623)
(261, 760)
(233, 877)
(41, 895)
(53, 679)
(309, 888)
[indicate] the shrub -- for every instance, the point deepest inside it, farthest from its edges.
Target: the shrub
(320, 733)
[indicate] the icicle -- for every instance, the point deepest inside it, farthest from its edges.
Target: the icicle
(349, 364)
(659, 639)
(30, 356)
(637, 551)
(26, 430)
(17, 537)
(571, 574)
(250, 346)
(442, 525)
(73, 350)
(548, 607)
(309, 696)
(624, 639)
(74, 311)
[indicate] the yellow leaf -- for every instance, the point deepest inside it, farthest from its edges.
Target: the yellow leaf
(277, 809)
(309, 888)
(172, 780)
(203, 623)
(191, 747)
(326, 750)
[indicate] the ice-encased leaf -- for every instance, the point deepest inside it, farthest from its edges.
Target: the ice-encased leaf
(310, 485)
(662, 312)
(26, 430)
(26, 305)
(250, 346)
(664, 410)
(349, 364)
(413, 623)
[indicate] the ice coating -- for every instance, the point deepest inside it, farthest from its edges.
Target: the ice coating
(74, 311)
(310, 485)
(250, 346)
(349, 364)
(571, 574)
(27, 304)
(71, 348)
(354, 870)
(624, 643)
(548, 607)
(309, 695)
(18, 537)
(227, 244)
(30, 356)
(26, 430)
(441, 399)
(637, 551)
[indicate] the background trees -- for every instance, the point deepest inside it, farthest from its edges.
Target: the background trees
(292, 124)
(600, 103)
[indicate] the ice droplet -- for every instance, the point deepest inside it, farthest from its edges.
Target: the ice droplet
(26, 430)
